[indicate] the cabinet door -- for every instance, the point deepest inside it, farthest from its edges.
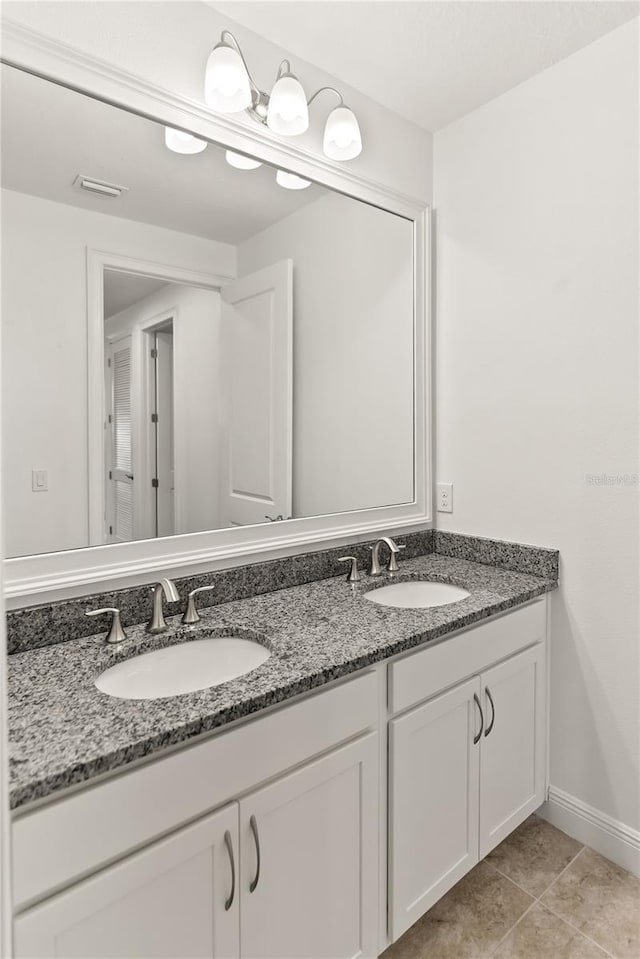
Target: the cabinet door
(433, 802)
(512, 759)
(309, 851)
(169, 900)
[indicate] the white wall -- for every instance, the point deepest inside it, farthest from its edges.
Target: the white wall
(353, 351)
(168, 45)
(196, 358)
(536, 196)
(45, 363)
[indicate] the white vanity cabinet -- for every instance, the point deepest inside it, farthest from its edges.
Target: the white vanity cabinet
(467, 766)
(301, 882)
(177, 897)
(513, 745)
(287, 868)
(433, 803)
(309, 846)
(278, 838)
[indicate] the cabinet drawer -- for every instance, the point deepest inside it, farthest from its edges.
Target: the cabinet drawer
(420, 675)
(77, 835)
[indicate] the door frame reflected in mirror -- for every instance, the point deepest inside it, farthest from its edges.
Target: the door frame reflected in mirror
(98, 262)
(57, 576)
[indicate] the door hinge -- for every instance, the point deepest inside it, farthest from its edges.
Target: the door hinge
(110, 475)
(110, 418)
(109, 364)
(154, 417)
(154, 354)
(111, 531)
(154, 483)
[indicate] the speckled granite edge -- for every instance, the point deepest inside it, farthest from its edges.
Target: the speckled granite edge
(36, 626)
(63, 730)
(81, 773)
(517, 557)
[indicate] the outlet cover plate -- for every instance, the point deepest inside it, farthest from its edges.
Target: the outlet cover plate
(444, 497)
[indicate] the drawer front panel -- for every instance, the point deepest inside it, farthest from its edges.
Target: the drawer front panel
(72, 837)
(422, 674)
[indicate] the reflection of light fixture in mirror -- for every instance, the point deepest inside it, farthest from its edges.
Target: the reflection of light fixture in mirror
(226, 83)
(241, 162)
(230, 88)
(290, 181)
(342, 140)
(181, 142)
(288, 112)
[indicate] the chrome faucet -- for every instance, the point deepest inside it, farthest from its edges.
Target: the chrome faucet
(394, 549)
(167, 588)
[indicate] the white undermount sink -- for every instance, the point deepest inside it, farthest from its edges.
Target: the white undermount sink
(183, 668)
(417, 594)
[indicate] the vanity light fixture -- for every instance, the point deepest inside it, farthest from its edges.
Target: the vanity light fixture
(342, 135)
(230, 88)
(240, 161)
(287, 113)
(290, 181)
(180, 142)
(226, 83)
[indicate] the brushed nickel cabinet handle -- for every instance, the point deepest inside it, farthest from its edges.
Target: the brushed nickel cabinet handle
(493, 711)
(476, 738)
(229, 845)
(256, 839)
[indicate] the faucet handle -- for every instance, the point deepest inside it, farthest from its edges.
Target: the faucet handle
(191, 614)
(393, 559)
(116, 634)
(354, 574)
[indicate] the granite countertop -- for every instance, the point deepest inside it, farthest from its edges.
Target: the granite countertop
(63, 730)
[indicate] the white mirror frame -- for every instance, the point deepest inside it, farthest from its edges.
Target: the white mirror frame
(55, 576)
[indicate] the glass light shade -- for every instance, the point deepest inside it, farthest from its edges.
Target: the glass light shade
(241, 162)
(288, 113)
(226, 81)
(290, 181)
(181, 142)
(342, 140)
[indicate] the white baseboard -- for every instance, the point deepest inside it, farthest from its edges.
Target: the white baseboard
(609, 837)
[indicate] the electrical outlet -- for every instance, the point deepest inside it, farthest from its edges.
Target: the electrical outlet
(445, 497)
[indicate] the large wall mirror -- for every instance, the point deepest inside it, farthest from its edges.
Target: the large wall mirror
(192, 340)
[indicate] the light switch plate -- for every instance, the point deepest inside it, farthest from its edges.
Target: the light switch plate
(39, 481)
(444, 493)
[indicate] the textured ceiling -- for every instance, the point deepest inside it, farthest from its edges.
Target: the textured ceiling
(430, 62)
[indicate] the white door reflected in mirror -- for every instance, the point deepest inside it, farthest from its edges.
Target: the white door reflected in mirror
(198, 388)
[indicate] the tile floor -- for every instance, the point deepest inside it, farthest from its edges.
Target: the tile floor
(539, 895)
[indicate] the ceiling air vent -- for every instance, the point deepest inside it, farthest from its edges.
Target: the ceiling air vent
(99, 187)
